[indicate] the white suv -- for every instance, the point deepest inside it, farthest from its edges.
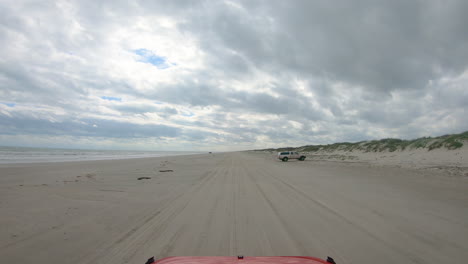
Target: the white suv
(286, 155)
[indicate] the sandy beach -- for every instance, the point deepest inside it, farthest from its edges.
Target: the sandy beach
(241, 203)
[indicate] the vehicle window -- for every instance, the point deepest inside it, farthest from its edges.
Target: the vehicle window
(284, 153)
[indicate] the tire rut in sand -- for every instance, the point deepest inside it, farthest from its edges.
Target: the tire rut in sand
(130, 242)
(314, 202)
(199, 219)
(284, 224)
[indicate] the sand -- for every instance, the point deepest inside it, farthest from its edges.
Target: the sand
(452, 162)
(230, 204)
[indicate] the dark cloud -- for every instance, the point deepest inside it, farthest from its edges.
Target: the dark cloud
(380, 45)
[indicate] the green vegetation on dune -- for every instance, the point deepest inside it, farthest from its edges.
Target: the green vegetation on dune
(450, 142)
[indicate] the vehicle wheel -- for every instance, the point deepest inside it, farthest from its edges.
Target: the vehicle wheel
(302, 158)
(285, 159)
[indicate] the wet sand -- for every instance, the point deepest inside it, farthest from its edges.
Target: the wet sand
(230, 204)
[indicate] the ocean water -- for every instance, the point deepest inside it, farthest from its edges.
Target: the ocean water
(35, 155)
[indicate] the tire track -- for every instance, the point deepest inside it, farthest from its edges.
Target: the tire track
(158, 229)
(322, 205)
(284, 225)
(126, 245)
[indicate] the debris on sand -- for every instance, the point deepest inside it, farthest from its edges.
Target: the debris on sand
(166, 171)
(144, 178)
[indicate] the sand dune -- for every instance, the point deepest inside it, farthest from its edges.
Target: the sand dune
(230, 204)
(451, 162)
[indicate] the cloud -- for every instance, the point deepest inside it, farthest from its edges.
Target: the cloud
(232, 75)
(84, 127)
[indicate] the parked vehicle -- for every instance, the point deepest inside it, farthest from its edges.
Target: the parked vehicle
(287, 155)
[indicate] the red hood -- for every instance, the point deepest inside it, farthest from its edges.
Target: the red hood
(244, 260)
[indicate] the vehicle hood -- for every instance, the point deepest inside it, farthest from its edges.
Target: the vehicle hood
(244, 260)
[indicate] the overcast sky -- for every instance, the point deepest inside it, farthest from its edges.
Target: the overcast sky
(230, 75)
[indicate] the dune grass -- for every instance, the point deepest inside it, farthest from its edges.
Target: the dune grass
(450, 142)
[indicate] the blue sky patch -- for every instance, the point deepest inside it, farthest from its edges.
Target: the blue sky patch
(111, 98)
(147, 56)
(8, 104)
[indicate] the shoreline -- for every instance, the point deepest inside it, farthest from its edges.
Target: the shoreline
(10, 155)
(6, 164)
